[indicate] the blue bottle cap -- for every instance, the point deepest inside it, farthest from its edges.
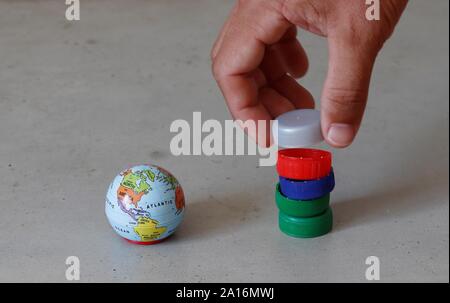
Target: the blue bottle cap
(307, 189)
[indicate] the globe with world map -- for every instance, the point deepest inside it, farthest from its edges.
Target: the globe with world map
(145, 204)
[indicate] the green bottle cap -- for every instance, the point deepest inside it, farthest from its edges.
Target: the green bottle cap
(306, 227)
(301, 208)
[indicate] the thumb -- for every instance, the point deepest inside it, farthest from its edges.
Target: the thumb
(345, 91)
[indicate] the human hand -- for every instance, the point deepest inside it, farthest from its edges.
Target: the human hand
(257, 58)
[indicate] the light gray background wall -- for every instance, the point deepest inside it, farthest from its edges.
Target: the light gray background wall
(80, 101)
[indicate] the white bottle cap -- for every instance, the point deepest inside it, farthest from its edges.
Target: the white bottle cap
(298, 128)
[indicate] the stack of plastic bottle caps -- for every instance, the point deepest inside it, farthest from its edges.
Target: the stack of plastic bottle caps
(306, 180)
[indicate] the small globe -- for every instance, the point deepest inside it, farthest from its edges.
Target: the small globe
(145, 204)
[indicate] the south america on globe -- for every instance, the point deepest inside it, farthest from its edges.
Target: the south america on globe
(145, 204)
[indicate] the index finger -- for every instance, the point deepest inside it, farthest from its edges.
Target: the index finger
(251, 28)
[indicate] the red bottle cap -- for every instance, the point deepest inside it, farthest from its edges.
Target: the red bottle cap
(303, 163)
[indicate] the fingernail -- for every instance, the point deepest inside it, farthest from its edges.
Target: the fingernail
(341, 134)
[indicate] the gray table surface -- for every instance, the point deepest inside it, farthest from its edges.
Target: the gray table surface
(80, 101)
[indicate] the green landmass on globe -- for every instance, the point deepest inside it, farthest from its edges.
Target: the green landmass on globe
(135, 185)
